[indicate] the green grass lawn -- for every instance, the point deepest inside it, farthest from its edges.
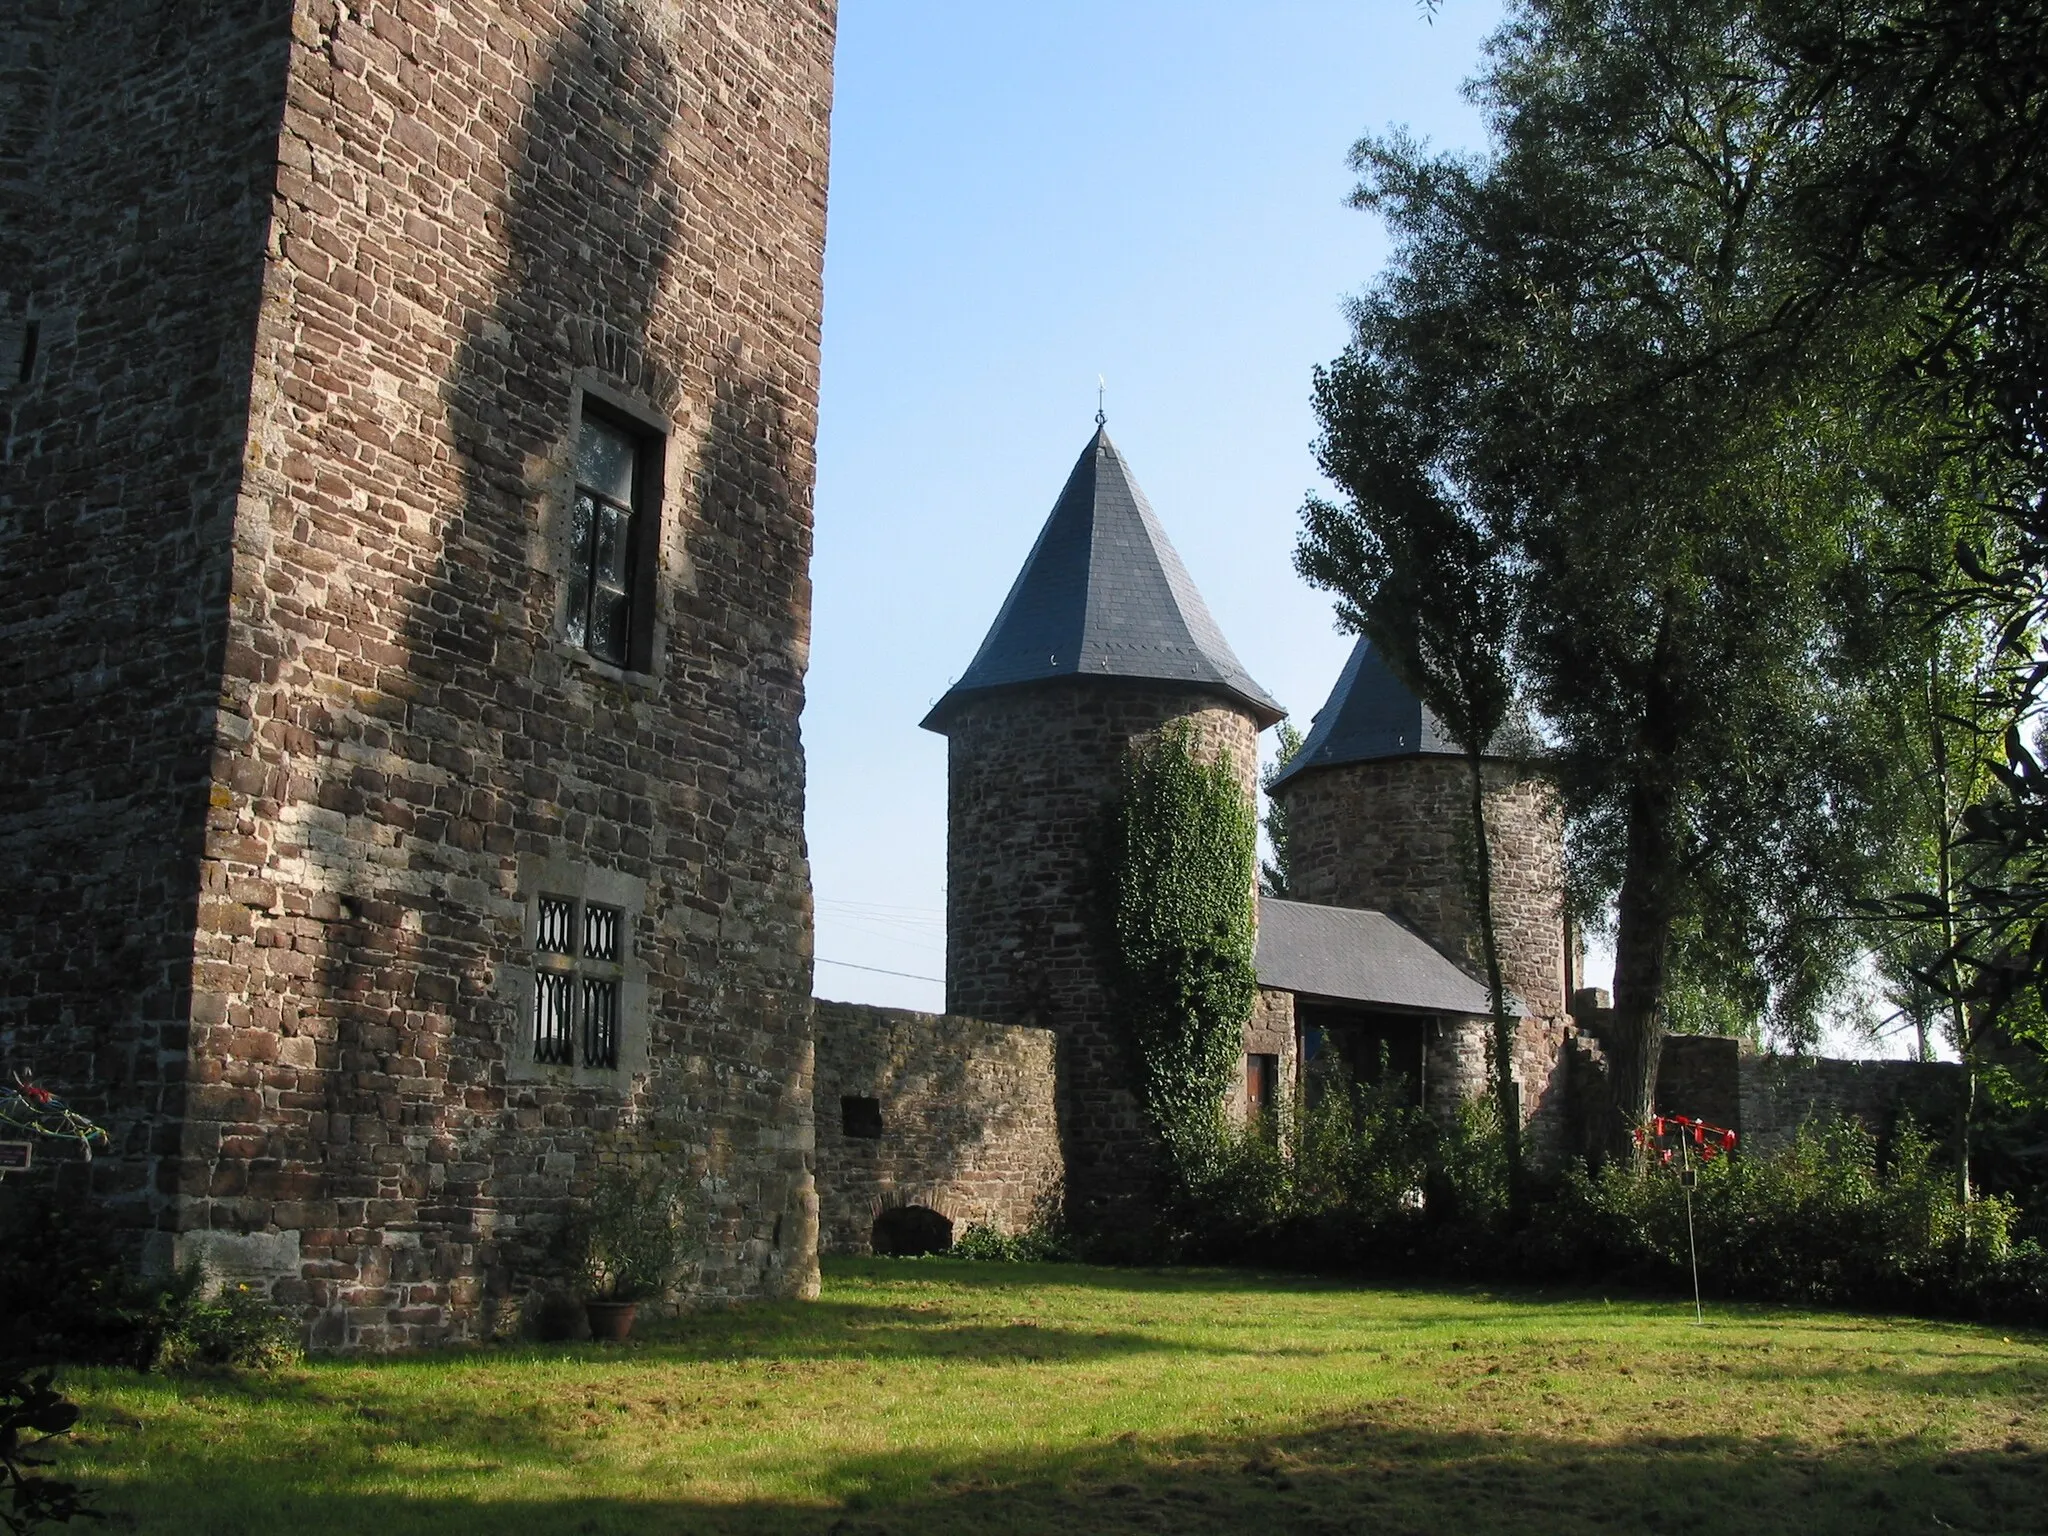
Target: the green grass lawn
(938, 1396)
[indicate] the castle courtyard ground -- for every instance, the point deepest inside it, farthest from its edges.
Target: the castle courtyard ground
(940, 1396)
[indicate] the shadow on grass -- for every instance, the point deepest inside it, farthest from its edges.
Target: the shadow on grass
(1343, 1475)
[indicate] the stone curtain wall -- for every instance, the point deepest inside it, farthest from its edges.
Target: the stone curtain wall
(1780, 1093)
(136, 169)
(969, 1124)
(1765, 1098)
(1700, 1077)
(481, 211)
(1392, 836)
(1030, 775)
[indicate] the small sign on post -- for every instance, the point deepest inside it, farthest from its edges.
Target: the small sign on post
(15, 1156)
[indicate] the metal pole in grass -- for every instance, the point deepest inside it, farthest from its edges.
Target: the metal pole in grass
(1691, 1133)
(1685, 1180)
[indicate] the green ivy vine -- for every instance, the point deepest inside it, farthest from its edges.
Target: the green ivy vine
(1182, 925)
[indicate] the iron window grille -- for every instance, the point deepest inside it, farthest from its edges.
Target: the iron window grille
(579, 957)
(606, 537)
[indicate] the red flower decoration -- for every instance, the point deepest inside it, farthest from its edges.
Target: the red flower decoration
(40, 1095)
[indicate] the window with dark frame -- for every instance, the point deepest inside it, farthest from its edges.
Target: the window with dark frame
(579, 964)
(607, 532)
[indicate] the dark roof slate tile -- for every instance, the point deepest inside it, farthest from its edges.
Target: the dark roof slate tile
(1103, 594)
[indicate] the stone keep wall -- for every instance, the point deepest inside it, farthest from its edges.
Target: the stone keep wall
(136, 172)
(474, 216)
(1030, 774)
(1391, 836)
(969, 1127)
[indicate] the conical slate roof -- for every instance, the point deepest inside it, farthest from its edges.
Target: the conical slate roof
(1104, 595)
(1371, 714)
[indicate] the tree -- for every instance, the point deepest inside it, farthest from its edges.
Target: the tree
(1181, 927)
(1273, 871)
(1573, 329)
(1924, 187)
(1427, 581)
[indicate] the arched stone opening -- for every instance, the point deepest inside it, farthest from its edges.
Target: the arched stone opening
(910, 1231)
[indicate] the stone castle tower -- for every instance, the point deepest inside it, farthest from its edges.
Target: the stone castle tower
(1377, 807)
(1102, 639)
(404, 554)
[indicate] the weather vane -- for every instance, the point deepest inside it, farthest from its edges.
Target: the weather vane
(1101, 389)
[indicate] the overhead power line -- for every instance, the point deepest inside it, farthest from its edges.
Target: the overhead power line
(879, 971)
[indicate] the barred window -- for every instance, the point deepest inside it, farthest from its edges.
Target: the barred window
(579, 957)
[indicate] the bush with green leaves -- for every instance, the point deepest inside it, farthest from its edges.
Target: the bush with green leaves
(1824, 1220)
(1352, 1175)
(1040, 1244)
(232, 1325)
(631, 1241)
(1356, 1178)
(69, 1291)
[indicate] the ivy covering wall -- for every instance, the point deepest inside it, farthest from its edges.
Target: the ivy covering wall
(1181, 929)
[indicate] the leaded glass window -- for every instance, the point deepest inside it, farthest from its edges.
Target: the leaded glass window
(602, 540)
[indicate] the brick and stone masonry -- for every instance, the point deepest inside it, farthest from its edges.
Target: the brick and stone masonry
(964, 1121)
(1392, 834)
(1031, 774)
(295, 737)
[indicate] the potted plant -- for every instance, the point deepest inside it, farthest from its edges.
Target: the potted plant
(630, 1245)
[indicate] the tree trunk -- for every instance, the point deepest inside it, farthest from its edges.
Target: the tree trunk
(1645, 915)
(1504, 1086)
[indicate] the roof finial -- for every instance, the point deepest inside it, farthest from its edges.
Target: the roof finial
(1101, 389)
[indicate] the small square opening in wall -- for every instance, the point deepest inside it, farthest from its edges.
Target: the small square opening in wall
(860, 1119)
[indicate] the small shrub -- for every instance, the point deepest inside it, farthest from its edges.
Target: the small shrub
(631, 1240)
(1038, 1244)
(234, 1327)
(69, 1292)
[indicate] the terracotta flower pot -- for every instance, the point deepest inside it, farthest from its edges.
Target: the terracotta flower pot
(610, 1321)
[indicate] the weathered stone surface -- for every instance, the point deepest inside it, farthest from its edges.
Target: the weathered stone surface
(1393, 836)
(1781, 1093)
(1031, 774)
(969, 1126)
(288, 701)
(1700, 1077)
(1766, 1098)
(1269, 1032)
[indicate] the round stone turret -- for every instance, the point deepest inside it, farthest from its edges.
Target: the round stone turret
(1378, 814)
(1102, 640)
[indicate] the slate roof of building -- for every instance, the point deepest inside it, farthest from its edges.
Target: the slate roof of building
(1372, 714)
(1352, 955)
(1103, 594)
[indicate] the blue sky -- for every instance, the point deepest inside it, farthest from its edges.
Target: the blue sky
(1024, 197)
